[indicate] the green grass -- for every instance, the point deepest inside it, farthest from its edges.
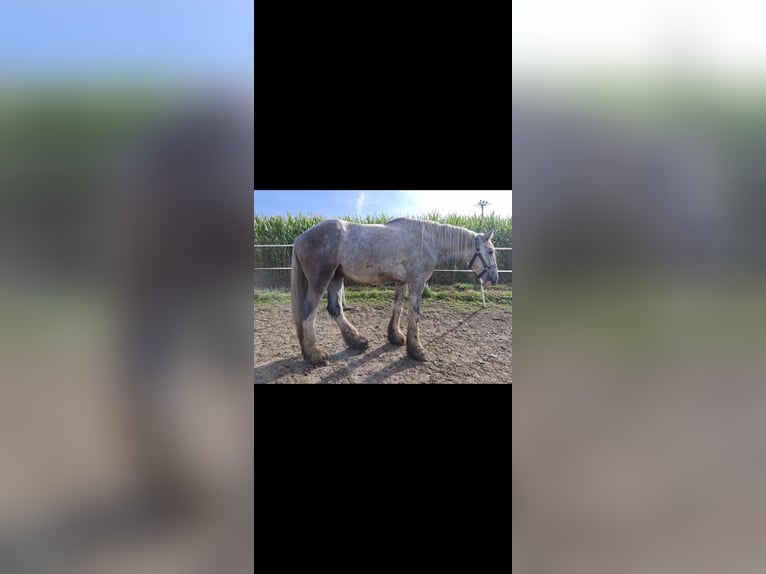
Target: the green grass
(469, 297)
(462, 295)
(271, 296)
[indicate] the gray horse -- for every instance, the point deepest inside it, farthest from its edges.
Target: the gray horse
(403, 251)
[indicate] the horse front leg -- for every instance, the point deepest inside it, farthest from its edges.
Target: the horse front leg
(394, 333)
(414, 349)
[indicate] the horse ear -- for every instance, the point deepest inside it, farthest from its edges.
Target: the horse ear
(489, 235)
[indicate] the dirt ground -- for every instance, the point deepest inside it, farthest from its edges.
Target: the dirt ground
(465, 346)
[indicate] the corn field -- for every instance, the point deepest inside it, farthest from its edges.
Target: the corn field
(282, 230)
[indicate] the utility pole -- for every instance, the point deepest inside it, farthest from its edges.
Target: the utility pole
(481, 204)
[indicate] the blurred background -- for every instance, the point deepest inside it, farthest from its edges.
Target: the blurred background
(638, 164)
(125, 394)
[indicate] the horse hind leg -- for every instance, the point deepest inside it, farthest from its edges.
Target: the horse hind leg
(394, 332)
(350, 335)
(309, 349)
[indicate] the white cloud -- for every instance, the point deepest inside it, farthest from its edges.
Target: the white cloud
(360, 203)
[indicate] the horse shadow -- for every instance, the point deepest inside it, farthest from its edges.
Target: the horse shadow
(459, 324)
(400, 365)
(271, 372)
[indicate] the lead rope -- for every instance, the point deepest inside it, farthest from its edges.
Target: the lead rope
(479, 275)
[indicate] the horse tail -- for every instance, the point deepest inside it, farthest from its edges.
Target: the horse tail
(299, 285)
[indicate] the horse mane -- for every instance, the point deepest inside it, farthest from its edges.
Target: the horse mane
(451, 238)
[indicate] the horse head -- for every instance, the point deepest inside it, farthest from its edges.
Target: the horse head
(483, 261)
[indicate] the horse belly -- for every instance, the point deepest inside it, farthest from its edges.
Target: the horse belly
(374, 274)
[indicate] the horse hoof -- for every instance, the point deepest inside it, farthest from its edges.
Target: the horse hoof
(418, 354)
(317, 358)
(396, 338)
(360, 343)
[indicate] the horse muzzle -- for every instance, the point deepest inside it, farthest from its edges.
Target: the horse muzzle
(488, 275)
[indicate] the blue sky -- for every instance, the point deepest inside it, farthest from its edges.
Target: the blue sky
(55, 38)
(394, 203)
